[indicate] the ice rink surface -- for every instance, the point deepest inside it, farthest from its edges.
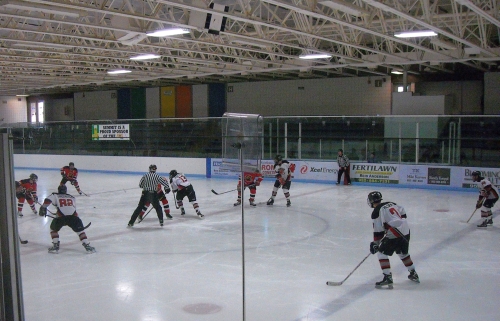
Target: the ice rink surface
(191, 269)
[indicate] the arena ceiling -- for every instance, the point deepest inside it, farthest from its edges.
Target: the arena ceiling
(68, 46)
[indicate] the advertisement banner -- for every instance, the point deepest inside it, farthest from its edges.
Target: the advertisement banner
(111, 132)
(492, 174)
(375, 173)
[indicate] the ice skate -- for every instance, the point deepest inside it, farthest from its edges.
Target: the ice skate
(168, 216)
(238, 203)
(200, 216)
(288, 203)
(270, 201)
(183, 212)
(490, 221)
(140, 219)
(161, 222)
(55, 248)
(252, 203)
(386, 281)
(413, 276)
(130, 225)
(20, 214)
(35, 212)
(88, 248)
(484, 224)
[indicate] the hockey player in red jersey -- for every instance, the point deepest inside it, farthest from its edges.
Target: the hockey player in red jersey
(26, 191)
(284, 170)
(70, 173)
(391, 233)
(488, 196)
(66, 216)
(252, 180)
(164, 202)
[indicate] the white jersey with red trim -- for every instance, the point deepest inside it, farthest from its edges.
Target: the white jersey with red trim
(179, 182)
(65, 203)
(389, 216)
(492, 194)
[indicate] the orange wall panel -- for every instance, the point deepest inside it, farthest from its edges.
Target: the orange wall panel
(184, 97)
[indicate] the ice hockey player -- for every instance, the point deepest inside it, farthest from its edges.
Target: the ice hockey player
(391, 233)
(284, 172)
(70, 173)
(26, 191)
(164, 202)
(252, 180)
(488, 196)
(181, 188)
(149, 184)
(66, 215)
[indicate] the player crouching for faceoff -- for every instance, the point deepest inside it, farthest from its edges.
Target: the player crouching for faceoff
(66, 216)
(391, 233)
(252, 180)
(488, 196)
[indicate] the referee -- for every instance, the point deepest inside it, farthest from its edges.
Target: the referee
(149, 184)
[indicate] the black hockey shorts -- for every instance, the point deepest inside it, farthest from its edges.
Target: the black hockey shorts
(398, 245)
(490, 202)
(277, 184)
(188, 192)
(68, 220)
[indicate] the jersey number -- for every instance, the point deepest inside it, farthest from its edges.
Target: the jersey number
(63, 202)
(393, 211)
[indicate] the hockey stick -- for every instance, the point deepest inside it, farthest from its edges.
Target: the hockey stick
(23, 241)
(224, 192)
(333, 283)
(175, 199)
(144, 216)
(482, 201)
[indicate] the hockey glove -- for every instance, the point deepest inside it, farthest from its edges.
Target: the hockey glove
(35, 198)
(43, 211)
(479, 203)
(167, 190)
(373, 247)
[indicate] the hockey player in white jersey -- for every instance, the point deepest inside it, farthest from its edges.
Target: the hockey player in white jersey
(391, 233)
(488, 196)
(66, 215)
(183, 188)
(284, 172)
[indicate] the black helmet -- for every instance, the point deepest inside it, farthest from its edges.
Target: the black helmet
(374, 197)
(278, 158)
(71, 164)
(152, 168)
(33, 177)
(173, 173)
(62, 189)
(476, 173)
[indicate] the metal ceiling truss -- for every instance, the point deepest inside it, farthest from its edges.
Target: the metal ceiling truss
(69, 45)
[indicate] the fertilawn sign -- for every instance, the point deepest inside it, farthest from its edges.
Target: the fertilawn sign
(111, 132)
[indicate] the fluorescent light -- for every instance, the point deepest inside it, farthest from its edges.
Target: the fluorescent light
(315, 56)
(145, 57)
(345, 7)
(396, 72)
(256, 43)
(21, 5)
(167, 32)
(44, 45)
(22, 95)
(415, 34)
(118, 71)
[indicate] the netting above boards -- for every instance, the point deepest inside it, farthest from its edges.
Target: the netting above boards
(242, 132)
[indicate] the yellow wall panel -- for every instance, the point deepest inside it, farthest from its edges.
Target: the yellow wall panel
(167, 102)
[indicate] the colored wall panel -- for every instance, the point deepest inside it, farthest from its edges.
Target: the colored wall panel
(138, 103)
(216, 100)
(167, 101)
(123, 104)
(184, 105)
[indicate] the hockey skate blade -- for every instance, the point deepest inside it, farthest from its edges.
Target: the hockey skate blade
(381, 287)
(332, 283)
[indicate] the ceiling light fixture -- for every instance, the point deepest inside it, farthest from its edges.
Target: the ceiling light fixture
(396, 72)
(118, 71)
(415, 34)
(315, 56)
(22, 5)
(443, 44)
(145, 57)
(167, 32)
(345, 7)
(256, 43)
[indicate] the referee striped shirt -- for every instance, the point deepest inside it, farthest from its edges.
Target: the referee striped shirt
(150, 181)
(343, 161)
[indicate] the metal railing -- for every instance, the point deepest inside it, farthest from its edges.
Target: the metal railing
(450, 140)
